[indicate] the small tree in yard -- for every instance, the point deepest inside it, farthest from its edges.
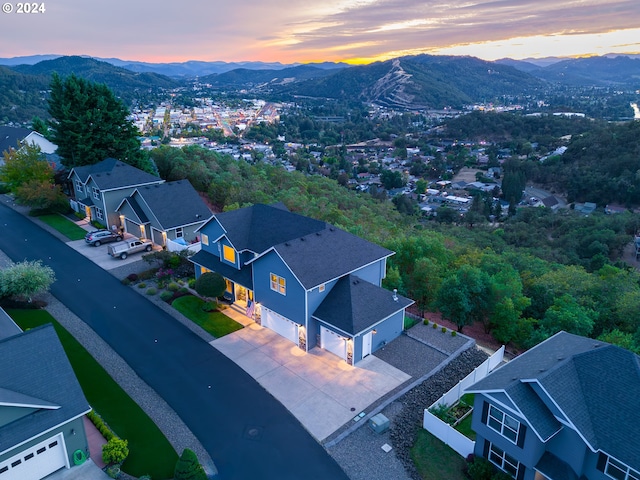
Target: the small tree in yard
(188, 467)
(210, 284)
(115, 450)
(25, 279)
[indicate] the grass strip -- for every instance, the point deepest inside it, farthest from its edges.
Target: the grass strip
(150, 451)
(216, 323)
(64, 226)
(435, 460)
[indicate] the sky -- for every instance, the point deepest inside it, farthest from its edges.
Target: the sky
(303, 31)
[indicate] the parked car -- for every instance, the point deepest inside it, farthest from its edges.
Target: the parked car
(124, 249)
(98, 237)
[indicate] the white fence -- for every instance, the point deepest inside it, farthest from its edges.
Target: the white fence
(177, 247)
(442, 430)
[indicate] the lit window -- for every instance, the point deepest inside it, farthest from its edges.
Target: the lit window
(229, 254)
(278, 284)
(503, 460)
(205, 239)
(204, 270)
(503, 423)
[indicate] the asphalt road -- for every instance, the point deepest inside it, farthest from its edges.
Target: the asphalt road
(248, 433)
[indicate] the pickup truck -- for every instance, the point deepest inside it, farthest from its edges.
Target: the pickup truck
(124, 249)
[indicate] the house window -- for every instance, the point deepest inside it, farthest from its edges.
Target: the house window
(321, 288)
(96, 193)
(79, 186)
(99, 213)
(205, 239)
(179, 232)
(503, 460)
(204, 270)
(503, 423)
(278, 284)
(620, 471)
(229, 254)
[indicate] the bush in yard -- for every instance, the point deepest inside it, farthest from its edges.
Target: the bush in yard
(115, 450)
(142, 285)
(132, 277)
(481, 469)
(188, 467)
(126, 281)
(425, 321)
(435, 325)
(166, 296)
(211, 285)
(444, 329)
(25, 279)
(151, 291)
(173, 286)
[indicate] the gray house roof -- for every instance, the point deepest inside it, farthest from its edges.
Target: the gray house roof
(174, 204)
(8, 327)
(353, 305)
(595, 385)
(259, 227)
(34, 367)
(328, 254)
(11, 136)
(111, 174)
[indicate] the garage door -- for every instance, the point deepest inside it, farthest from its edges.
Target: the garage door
(279, 324)
(333, 342)
(36, 462)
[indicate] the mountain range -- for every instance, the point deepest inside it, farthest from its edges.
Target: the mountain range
(411, 82)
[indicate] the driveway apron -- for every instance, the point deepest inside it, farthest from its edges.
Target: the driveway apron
(247, 432)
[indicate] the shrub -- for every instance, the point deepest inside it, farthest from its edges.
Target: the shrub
(188, 467)
(191, 282)
(25, 279)
(453, 333)
(151, 291)
(115, 450)
(126, 281)
(102, 427)
(183, 290)
(113, 471)
(81, 215)
(173, 286)
(166, 296)
(142, 285)
(132, 277)
(425, 321)
(147, 274)
(435, 325)
(98, 225)
(209, 306)
(442, 412)
(444, 329)
(210, 284)
(480, 469)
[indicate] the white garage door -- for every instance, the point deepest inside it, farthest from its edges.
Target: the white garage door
(36, 462)
(333, 342)
(279, 324)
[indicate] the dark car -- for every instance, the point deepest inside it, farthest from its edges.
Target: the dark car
(98, 237)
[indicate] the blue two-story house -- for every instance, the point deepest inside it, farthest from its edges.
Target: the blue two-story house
(305, 279)
(568, 409)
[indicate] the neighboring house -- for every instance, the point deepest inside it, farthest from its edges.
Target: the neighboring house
(100, 188)
(171, 210)
(567, 409)
(13, 137)
(551, 202)
(309, 281)
(41, 405)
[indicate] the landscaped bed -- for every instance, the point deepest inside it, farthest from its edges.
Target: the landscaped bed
(214, 322)
(64, 226)
(150, 451)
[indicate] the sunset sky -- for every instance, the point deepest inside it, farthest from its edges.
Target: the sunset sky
(288, 31)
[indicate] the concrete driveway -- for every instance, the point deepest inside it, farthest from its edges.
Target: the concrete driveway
(318, 388)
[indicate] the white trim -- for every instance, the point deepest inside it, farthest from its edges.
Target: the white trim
(44, 432)
(27, 405)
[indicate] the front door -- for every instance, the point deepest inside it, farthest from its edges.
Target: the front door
(366, 344)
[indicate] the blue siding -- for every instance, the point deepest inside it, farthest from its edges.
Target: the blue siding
(373, 273)
(212, 230)
(570, 447)
(290, 305)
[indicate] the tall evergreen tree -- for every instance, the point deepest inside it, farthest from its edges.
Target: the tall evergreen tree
(90, 124)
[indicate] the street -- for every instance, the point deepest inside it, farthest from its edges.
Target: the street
(245, 430)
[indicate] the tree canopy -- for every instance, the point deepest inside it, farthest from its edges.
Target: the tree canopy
(90, 124)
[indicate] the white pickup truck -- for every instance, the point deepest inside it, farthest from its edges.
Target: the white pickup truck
(127, 247)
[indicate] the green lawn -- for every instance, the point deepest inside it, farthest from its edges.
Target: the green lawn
(150, 452)
(216, 323)
(435, 460)
(464, 427)
(64, 226)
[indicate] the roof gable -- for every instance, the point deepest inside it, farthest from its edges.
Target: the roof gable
(353, 305)
(112, 174)
(11, 137)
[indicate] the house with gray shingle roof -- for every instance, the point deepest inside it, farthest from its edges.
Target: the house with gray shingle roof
(98, 189)
(41, 406)
(309, 281)
(16, 137)
(568, 409)
(164, 211)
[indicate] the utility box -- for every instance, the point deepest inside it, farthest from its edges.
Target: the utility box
(379, 423)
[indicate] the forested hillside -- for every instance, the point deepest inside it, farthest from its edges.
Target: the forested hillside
(524, 281)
